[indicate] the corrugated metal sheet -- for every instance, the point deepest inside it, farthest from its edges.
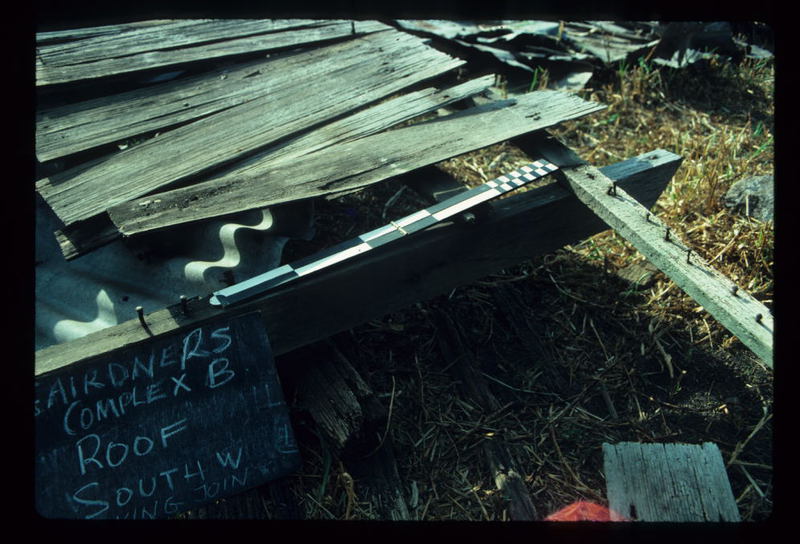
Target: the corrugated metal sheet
(103, 288)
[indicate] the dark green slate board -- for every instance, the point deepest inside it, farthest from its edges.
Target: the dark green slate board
(164, 426)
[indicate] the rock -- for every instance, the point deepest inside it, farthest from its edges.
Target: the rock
(753, 196)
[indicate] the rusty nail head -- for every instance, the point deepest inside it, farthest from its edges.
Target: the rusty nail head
(184, 304)
(140, 313)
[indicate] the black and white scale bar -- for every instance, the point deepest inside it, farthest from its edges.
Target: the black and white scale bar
(375, 238)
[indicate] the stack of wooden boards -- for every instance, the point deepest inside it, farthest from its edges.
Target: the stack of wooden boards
(310, 119)
(319, 116)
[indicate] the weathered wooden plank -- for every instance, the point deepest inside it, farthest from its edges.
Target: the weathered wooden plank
(182, 42)
(84, 125)
(82, 237)
(363, 123)
(168, 34)
(385, 63)
(72, 34)
(353, 421)
(79, 238)
(668, 482)
(744, 316)
(355, 164)
(391, 277)
(342, 405)
(378, 483)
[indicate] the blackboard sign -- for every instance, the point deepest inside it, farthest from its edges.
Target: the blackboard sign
(164, 426)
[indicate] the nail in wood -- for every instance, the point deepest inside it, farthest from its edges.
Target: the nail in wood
(140, 313)
(184, 305)
(759, 317)
(734, 290)
(666, 234)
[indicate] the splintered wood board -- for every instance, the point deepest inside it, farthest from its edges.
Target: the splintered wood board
(376, 66)
(177, 42)
(72, 34)
(368, 121)
(668, 482)
(744, 316)
(82, 237)
(84, 125)
(355, 164)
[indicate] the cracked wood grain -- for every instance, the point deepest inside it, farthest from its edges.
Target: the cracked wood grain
(354, 164)
(382, 64)
(744, 316)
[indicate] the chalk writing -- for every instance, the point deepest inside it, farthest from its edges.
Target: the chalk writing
(197, 344)
(159, 428)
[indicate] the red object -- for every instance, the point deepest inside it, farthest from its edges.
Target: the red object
(585, 511)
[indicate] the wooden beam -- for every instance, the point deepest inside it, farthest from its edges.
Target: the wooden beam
(354, 164)
(380, 64)
(744, 316)
(414, 268)
(180, 42)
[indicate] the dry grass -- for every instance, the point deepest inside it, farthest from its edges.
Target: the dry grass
(575, 355)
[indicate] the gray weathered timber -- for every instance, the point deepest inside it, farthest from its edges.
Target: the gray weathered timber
(80, 238)
(372, 120)
(384, 63)
(181, 42)
(72, 34)
(668, 482)
(380, 484)
(391, 277)
(744, 316)
(343, 406)
(166, 35)
(83, 237)
(355, 164)
(84, 125)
